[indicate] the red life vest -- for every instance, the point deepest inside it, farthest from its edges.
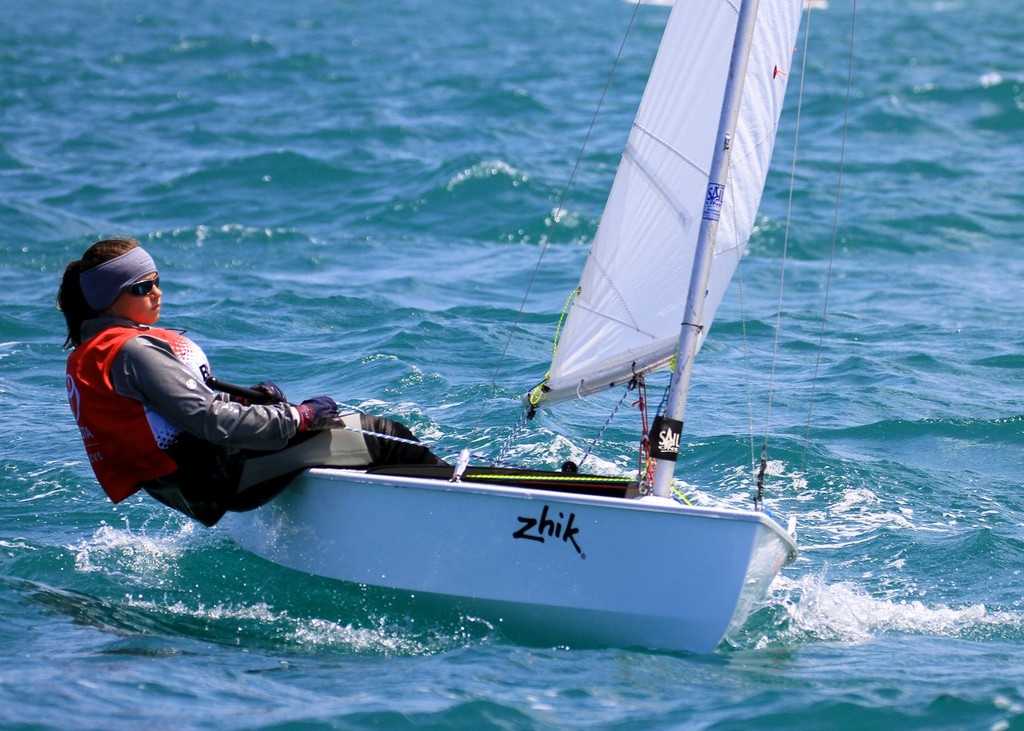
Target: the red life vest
(119, 440)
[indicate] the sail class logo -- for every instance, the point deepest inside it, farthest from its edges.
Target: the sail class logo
(713, 202)
(544, 527)
(665, 438)
(668, 441)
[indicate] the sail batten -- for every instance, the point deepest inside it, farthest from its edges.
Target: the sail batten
(641, 260)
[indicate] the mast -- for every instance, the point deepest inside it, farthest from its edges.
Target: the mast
(667, 429)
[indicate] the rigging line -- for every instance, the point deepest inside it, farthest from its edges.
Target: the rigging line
(559, 211)
(745, 338)
(785, 242)
(744, 335)
(835, 231)
(600, 435)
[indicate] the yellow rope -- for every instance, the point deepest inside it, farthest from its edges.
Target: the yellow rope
(561, 319)
(679, 494)
(553, 478)
(538, 392)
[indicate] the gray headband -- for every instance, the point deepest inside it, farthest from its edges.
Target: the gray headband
(103, 283)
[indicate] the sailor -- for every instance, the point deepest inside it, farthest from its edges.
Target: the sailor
(150, 422)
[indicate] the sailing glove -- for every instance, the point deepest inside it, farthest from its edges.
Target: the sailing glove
(274, 395)
(316, 413)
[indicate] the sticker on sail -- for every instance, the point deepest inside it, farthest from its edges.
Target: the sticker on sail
(713, 202)
(665, 437)
(545, 526)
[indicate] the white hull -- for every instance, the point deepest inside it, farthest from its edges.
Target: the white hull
(569, 569)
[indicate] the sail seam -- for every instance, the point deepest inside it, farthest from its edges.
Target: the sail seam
(618, 295)
(768, 138)
(631, 325)
(667, 146)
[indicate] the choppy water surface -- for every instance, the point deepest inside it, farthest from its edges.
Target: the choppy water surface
(350, 198)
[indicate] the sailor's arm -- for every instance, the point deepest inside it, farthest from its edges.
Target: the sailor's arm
(147, 370)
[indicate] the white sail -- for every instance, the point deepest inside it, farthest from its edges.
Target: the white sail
(626, 316)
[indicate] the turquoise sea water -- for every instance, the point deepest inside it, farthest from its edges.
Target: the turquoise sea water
(349, 198)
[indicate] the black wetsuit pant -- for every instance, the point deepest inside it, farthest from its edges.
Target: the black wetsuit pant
(210, 481)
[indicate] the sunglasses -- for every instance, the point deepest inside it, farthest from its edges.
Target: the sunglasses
(141, 289)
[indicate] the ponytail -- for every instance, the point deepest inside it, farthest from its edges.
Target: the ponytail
(71, 302)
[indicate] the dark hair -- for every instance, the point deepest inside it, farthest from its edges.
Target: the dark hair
(70, 299)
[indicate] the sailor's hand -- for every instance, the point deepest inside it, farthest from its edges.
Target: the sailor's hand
(316, 413)
(274, 395)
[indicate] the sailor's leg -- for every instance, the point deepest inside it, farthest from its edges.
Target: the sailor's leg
(387, 450)
(359, 440)
(338, 447)
(204, 483)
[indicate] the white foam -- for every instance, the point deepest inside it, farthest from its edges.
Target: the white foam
(152, 561)
(845, 612)
(122, 551)
(312, 633)
(487, 169)
(992, 78)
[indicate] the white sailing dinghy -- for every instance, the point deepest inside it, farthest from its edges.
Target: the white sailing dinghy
(587, 560)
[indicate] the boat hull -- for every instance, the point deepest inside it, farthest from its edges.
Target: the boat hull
(569, 569)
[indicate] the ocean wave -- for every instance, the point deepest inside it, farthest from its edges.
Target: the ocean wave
(286, 167)
(1009, 428)
(812, 609)
(473, 199)
(262, 624)
(1011, 361)
(990, 102)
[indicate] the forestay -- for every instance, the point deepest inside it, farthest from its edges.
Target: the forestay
(626, 315)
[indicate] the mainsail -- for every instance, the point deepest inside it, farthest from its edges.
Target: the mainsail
(625, 317)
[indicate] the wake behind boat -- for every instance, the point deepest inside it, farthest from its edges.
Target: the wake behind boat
(580, 559)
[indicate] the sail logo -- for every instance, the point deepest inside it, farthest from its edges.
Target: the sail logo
(713, 202)
(668, 441)
(666, 436)
(542, 528)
